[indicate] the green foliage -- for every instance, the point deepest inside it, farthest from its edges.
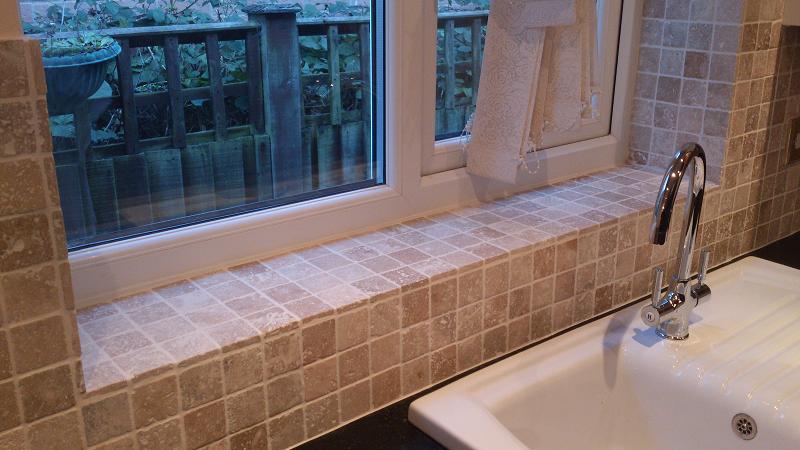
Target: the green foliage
(81, 44)
(149, 66)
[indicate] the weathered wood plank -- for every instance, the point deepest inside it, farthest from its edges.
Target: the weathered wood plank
(198, 178)
(329, 156)
(215, 79)
(69, 188)
(477, 57)
(258, 169)
(228, 164)
(83, 142)
(280, 52)
(172, 57)
(185, 33)
(451, 116)
(353, 155)
(365, 53)
(162, 142)
(255, 91)
(335, 96)
(100, 173)
(127, 94)
(99, 105)
(166, 184)
(133, 191)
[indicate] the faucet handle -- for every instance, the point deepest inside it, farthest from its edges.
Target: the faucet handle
(705, 257)
(658, 280)
(700, 291)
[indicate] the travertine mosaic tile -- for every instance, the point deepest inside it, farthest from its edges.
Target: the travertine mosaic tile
(271, 353)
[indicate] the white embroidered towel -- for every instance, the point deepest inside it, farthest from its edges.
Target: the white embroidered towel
(534, 78)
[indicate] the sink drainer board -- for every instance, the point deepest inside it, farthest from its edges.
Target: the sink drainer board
(624, 387)
(744, 426)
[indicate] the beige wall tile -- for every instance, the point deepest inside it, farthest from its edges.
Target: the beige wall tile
(353, 365)
(242, 369)
(415, 341)
(252, 439)
(322, 415)
(286, 430)
(155, 401)
(384, 352)
(201, 384)
(30, 293)
(246, 408)
(204, 425)
(282, 355)
(5, 357)
(56, 432)
(443, 363)
(14, 440)
(24, 240)
(9, 409)
(416, 374)
(19, 126)
(107, 418)
(21, 187)
(284, 393)
(46, 393)
(415, 307)
(385, 387)
(354, 400)
(469, 352)
(319, 341)
(13, 74)
(352, 328)
(164, 436)
(384, 317)
(544, 262)
(470, 287)
(320, 378)
(444, 296)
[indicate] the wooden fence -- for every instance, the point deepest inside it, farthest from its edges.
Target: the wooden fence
(115, 190)
(453, 112)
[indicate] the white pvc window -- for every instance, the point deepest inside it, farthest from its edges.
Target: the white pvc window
(460, 39)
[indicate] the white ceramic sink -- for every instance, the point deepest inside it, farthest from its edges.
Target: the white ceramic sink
(613, 384)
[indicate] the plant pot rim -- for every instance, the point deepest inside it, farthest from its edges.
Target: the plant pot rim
(83, 59)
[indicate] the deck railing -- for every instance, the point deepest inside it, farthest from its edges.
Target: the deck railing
(285, 149)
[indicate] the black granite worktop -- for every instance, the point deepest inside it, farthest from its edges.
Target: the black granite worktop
(389, 428)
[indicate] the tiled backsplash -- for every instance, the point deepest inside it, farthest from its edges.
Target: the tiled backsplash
(268, 354)
(306, 341)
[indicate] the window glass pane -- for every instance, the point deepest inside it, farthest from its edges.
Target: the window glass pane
(459, 53)
(461, 41)
(175, 113)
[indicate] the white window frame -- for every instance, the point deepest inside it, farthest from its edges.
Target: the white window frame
(448, 154)
(109, 271)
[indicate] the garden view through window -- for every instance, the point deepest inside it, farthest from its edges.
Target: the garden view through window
(461, 41)
(166, 113)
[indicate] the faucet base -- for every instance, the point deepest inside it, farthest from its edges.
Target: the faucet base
(662, 334)
(675, 328)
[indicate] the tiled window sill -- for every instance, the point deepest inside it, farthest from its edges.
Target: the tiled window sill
(343, 299)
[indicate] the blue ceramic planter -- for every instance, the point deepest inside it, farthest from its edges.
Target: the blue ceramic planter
(73, 79)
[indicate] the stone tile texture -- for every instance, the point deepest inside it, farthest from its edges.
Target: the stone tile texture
(278, 351)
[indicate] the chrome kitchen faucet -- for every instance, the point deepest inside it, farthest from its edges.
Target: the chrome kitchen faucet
(670, 314)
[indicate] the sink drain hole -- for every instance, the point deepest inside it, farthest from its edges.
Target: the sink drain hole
(744, 426)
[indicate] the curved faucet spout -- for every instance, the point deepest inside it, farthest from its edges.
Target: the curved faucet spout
(691, 158)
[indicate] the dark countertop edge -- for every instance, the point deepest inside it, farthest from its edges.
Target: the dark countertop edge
(389, 429)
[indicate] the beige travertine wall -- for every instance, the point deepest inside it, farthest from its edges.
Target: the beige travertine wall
(41, 404)
(40, 373)
(723, 73)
